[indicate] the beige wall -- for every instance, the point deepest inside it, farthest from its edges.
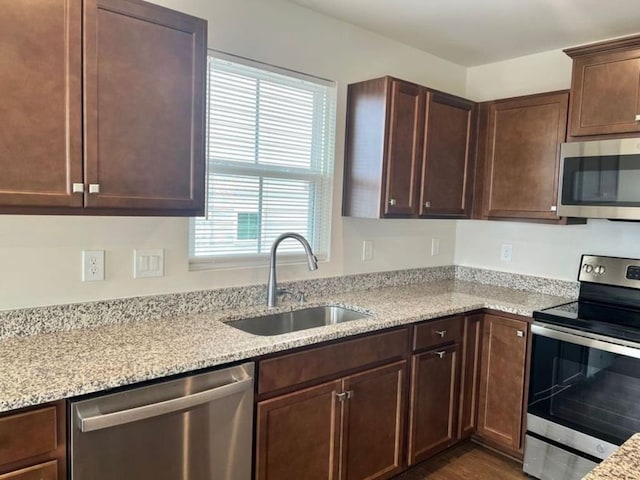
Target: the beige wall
(543, 250)
(40, 256)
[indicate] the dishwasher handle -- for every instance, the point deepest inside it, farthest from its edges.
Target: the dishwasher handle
(107, 420)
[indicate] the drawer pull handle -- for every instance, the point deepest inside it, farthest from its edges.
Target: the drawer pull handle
(441, 333)
(638, 118)
(341, 396)
(350, 394)
(441, 354)
(427, 204)
(392, 202)
(520, 333)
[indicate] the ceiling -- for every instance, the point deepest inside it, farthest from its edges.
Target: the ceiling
(475, 32)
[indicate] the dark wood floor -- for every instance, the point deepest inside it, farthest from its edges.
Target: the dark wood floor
(466, 462)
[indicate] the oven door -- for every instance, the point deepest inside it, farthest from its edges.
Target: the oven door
(600, 179)
(583, 390)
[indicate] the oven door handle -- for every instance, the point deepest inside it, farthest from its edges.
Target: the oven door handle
(94, 420)
(563, 336)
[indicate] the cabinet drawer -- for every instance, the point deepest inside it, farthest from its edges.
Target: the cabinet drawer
(44, 471)
(437, 332)
(331, 360)
(27, 434)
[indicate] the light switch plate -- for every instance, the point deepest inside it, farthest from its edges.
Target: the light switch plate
(367, 250)
(506, 252)
(148, 263)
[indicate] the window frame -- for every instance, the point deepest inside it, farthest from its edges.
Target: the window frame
(245, 260)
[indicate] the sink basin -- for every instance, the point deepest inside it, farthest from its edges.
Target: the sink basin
(286, 322)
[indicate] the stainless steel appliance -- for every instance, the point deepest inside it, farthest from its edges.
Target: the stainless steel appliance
(584, 386)
(600, 179)
(194, 428)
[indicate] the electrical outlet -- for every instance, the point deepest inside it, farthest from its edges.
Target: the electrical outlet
(435, 247)
(506, 252)
(92, 265)
(367, 250)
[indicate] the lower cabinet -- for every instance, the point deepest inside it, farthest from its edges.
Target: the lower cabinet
(502, 382)
(434, 402)
(32, 443)
(348, 429)
(470, 376)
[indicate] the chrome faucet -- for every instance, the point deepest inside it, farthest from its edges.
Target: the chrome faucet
(272, 286)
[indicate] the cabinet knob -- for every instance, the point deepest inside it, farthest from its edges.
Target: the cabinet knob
(520, 333)
(77, 188)
(638, 118)
(441, 354)
(392, 201)
(350, 394)
(441, 333)
(554, 208)
(427, 204)
(94, 188)
(341, 396)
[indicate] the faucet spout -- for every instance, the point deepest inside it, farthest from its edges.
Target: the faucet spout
(272, 285)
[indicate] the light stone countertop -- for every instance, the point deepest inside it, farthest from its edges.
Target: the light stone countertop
(623, 464)
(47, 367)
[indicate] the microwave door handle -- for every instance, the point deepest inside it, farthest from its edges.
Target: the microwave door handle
(90, 423)
(584, 340)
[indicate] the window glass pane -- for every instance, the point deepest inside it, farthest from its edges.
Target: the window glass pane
(270, 161)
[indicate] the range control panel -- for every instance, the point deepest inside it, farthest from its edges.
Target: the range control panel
(622, 272)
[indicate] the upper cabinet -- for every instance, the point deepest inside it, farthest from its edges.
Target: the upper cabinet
(408, 151)
(41, 104)
(137, 72)
(518, 157)
(605, 88)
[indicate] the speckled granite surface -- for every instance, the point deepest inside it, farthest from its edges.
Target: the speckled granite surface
(46, 367)
(57, 318)
(624, 464)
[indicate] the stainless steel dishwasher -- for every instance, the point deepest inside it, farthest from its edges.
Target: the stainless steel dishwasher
(194, 428)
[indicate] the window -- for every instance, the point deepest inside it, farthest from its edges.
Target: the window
(270, 162)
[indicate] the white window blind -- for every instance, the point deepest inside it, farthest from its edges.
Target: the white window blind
(270, 163)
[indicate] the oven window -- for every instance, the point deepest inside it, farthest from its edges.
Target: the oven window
(602, 180)
(588, 390)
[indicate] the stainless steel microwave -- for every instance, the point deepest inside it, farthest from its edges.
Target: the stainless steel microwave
(600, 179)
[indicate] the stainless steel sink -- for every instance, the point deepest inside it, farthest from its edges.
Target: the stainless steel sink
(286, 322)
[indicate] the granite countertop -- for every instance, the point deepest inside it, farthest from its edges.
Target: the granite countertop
(51, 366)
(624, 464)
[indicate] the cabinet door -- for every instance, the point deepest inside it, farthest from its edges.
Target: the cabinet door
(144, 106)
(40, 104)
(445, 188)
(606, 94)
(470, 376)
(298, 435)
(500, 410)
(434, 401)
(45, 471)
(373, 429)
(523, 156)
(403, 149)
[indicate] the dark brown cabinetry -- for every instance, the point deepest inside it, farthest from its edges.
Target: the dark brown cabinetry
(32, 444)
(519, 157)
(470, 376)
(408, 151)
(40, 105)
(434, 389)
(502, 382)
(350, 428)
(138, 147)
(446, 162)
(605, 88)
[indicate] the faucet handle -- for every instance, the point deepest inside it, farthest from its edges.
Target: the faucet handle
(300, 296)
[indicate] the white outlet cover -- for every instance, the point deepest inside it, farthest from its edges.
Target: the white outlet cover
(435, 247)
(148, 263)
(367, 250)
(92, 265)
(506, 252)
